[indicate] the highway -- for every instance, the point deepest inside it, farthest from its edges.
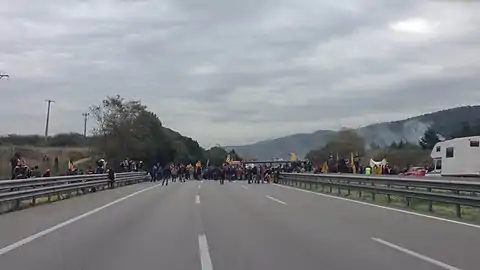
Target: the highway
(236, 226)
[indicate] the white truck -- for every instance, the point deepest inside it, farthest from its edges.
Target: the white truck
(456, 157)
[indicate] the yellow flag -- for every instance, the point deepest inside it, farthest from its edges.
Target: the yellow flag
(228, 159)
(70, 165)
(293, 157)
(352, 163)
(324, 167)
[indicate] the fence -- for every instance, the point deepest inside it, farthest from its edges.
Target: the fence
(14, 192)
(452, 191)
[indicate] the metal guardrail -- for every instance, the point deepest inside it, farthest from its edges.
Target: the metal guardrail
(457, 192)
(13, 192)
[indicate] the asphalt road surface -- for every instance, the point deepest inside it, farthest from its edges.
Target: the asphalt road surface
(236, 226)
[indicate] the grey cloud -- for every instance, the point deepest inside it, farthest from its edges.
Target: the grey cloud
(217, 70)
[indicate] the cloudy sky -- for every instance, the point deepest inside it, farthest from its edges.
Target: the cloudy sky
(232, 72)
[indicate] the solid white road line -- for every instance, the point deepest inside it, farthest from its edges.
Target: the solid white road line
(245, 187)
(205, 259)
(197, 199)
(416, 255)
(67, 222)
(276, 200)
(383, 207)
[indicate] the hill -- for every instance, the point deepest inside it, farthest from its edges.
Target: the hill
(281, 147)
(445, 122)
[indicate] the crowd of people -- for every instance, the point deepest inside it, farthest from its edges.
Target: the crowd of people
(353, 165)
(21, 170)
(253, 172)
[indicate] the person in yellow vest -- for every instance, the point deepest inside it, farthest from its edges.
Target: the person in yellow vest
(368, 170)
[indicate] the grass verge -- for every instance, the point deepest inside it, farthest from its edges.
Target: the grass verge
(444, 210)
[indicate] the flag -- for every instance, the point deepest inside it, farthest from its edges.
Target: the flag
(70, 165)
(293, 157)
(228, 159)
(325, 167)
(352, 163)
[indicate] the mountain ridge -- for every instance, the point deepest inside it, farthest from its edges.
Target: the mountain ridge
(381, 134)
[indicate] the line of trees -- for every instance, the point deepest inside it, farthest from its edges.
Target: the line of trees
(466, 129)
(59, 140)
(129, 129)
(346, 141)
(399, 154)
(126, 128)
(402, 154)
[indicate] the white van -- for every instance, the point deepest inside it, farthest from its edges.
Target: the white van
(456, 157)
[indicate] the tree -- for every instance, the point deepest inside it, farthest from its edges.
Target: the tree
(187, 149)
(373, 145)
(67, 139)
(130, 130)
(401, 144)
(216, 155)
(429, 139)
(115, 119)
(234, 155)
(149, 141)
(343, 143)
(408, 156)
(58, 140)
(394, 145)
(466, 130)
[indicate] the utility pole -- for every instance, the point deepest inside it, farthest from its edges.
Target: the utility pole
(49, 101)
(85, 118)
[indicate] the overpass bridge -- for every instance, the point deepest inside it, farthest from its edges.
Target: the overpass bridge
(204, 225)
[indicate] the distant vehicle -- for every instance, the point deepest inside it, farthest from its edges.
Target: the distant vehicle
(456, 157)
(415, 171)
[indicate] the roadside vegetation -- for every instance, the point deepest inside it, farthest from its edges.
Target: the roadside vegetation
(401, 154)
(123, 128)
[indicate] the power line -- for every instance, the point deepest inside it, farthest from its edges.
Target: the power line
(49, 101)
(85, 118)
